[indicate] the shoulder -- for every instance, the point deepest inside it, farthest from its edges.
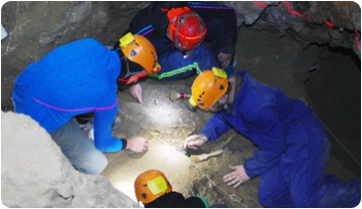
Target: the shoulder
(90, 41)
(85, 42)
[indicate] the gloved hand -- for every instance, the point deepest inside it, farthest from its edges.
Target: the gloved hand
(237, 177)
(137, 144)
(194, 141)
(136, 91)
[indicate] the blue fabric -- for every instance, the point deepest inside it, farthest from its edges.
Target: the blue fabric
(73, 79)
(293, 148)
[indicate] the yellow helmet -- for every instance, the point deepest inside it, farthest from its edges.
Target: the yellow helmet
(140, 50)
(208, 87)
(150, 185)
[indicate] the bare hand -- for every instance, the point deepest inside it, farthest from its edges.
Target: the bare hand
(136, 91)
(195, 141)
(224, 59)
(237, 177)
(137, 144)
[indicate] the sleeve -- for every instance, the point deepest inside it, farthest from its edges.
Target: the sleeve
(213, 10)
(270, 139)
(103, 139)
(216, 126)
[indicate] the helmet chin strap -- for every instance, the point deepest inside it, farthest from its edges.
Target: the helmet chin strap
(227, 106)
(124, 63)
(124, 66)
(128, 68)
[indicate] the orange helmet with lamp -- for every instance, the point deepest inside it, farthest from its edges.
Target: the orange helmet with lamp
(150, 185)
(208, 87)
(140, 50)
(186, 28)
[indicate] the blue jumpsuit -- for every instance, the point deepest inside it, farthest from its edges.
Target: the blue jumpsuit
(61, 85)
(221, 36)
(293, 148)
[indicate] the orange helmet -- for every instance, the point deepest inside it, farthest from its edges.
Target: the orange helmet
(150, 185)
(186, 28)
(208, 87)
(140, 50)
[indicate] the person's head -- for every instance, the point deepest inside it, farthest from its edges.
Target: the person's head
(186, 28)
(208, 91)
(151, 185)
(138, 58)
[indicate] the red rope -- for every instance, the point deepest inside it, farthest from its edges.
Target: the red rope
(308, 17)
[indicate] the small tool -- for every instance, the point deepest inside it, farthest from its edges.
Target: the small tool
(175, 95)
(203, 157)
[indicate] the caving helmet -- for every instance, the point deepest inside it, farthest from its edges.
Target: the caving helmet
(208, 87)
(150, 185)
(186, 28)
(141, 58)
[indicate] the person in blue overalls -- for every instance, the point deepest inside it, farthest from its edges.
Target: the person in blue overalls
(293, 148)
(79, 78)
(189, 37)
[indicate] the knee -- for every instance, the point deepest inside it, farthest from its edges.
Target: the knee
(97, 162)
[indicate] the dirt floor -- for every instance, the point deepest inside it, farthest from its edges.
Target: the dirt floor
(166, 124)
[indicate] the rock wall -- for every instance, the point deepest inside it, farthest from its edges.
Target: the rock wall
(36, 174)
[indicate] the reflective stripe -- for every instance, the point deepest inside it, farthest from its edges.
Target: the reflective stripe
(76, 109)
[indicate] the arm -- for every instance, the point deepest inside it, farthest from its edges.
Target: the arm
(103, 139)
(270, 139)
(216, 126)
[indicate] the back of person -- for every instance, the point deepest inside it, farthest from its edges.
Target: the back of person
(61, 84)
(176, 200)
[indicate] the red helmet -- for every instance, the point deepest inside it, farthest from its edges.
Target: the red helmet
(186, 29)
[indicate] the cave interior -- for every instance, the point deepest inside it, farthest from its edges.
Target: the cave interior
(322, 73)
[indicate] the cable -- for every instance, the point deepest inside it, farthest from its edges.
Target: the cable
(339, 141)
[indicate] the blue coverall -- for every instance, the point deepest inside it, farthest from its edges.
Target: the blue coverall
(293, 148)
(61, 85)
(221, 36)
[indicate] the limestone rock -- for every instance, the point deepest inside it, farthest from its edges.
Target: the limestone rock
(35, 173)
